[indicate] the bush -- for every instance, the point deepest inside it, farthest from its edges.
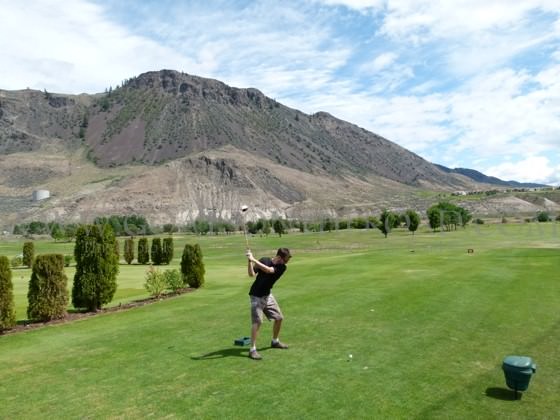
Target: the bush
(95, 281)
(143, 253)
(48, 294)
(28, 254)
(192, 266)
(156, 251)
(7, 311)
(543, 216)
(173, 280)
(558, 218)
(479, 221)
(167, 251)
(129, 250)
(68, 260)
(155, 282)
(16, 262)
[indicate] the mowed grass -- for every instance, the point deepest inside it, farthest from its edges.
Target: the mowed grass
(427, 324)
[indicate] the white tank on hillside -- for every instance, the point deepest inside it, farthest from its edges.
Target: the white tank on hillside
(39, 195)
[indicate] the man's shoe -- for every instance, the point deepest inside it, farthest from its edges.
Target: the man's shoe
(253, 354)
(278, 345)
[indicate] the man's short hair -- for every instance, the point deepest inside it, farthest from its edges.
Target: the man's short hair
(284, 253)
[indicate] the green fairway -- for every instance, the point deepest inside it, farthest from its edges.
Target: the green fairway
(427, 324)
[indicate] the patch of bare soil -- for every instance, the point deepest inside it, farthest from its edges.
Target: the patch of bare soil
(73, 316)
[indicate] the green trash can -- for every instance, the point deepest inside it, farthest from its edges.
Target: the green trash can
(518, 371)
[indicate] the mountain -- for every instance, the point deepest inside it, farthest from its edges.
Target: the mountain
(485, 179)
(174, 147)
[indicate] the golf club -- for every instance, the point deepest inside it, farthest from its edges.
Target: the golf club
(243, 211)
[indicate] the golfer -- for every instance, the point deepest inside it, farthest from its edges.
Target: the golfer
(268, 271)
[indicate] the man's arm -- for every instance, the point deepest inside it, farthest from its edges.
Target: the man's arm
(253, 261)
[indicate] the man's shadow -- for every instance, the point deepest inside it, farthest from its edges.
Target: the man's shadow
(220, 354)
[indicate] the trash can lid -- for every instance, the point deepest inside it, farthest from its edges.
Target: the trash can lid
(522, 362)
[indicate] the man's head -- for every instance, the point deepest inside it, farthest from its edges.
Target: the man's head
(284, 254)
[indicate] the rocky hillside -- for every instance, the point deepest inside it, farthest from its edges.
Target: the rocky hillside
(175, 147)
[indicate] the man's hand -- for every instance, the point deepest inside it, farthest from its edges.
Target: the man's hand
(249, 255)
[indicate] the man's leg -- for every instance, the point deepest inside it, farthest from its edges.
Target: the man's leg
(254, 333)
(276, 329)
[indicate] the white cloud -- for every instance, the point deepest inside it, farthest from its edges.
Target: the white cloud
(72, 47)
(354, 4)
(382, 61)
(531, 169)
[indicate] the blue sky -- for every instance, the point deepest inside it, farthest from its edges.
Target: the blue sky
(463, 83)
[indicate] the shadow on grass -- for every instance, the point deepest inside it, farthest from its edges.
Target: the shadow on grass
(503, 394)
(220, 354)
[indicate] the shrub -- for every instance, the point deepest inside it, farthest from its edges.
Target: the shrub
(68, 260)
(558, 218)
(48, 294)
(155, 282)
(28, 254)
(192, 266)
(7, 311)
(95, 281)
(479, 221)
(143, 254)
(156, 251)
(543, 216)
(16, 262)
(167, 251)
(173, 280)
(129, 250)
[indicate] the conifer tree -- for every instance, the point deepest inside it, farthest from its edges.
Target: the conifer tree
(28, 253)
(95, 281)
(143, 252)
(156, 251)
(192, 266)
(48, 292)
(129, 250)
(7, 305)
(167, 250)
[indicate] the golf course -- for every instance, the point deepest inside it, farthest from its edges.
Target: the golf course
(408, 326)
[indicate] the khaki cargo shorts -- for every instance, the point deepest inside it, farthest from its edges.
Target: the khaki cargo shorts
(266, 305)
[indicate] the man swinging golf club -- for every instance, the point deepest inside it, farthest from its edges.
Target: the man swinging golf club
(268, 271)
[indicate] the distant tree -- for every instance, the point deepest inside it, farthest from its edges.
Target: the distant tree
(167, 250)
(266, 229)
(170, 228)
(129, 250)
(97, 266)
(7, 305)
(278, 227)
(202, 227)
(47, 295)
(156, 251)
(28, 254)
(412, 220)
(143, 251)
(192, 266)
(358, 223)
(386, 222)
(447, 216)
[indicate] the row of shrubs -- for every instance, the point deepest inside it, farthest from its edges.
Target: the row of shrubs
(94, 282)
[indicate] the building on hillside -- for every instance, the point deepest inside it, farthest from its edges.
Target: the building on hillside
(39, 195)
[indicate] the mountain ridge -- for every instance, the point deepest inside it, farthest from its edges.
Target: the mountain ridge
(172, 146)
